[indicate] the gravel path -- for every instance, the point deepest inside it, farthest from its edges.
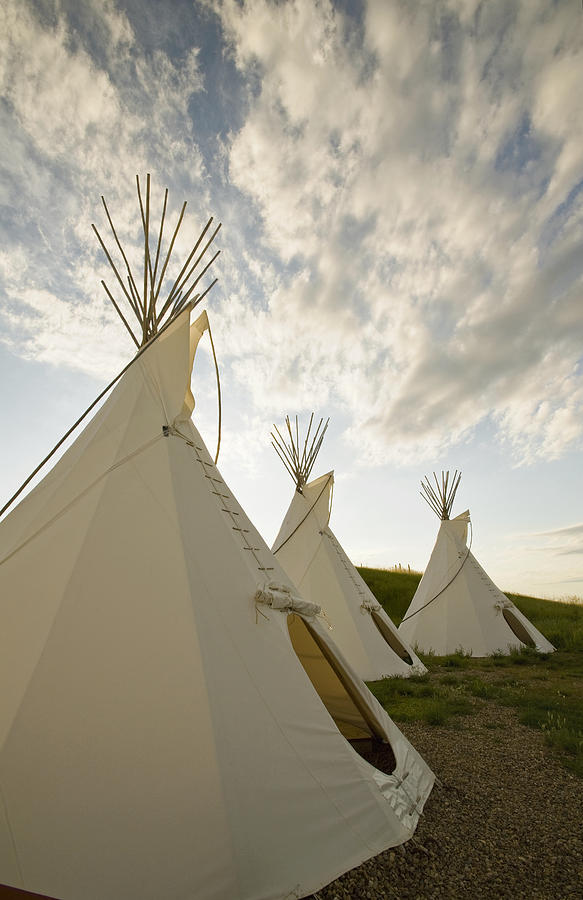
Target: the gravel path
(505, 822)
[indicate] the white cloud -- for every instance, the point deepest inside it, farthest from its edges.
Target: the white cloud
(425, 183)
(416, 260)
(44, 328)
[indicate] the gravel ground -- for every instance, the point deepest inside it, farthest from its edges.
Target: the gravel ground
(505, 821)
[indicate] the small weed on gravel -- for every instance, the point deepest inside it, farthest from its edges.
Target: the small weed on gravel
(479, 688)
(457, 660)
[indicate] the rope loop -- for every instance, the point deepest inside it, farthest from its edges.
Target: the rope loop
(218, 392)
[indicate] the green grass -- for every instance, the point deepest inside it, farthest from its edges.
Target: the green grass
(420, 698)
(560, 622)
(393, 590)
(546, 690)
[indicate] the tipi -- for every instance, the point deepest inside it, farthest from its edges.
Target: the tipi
(159, 736)
(313, 558)
(456, 605)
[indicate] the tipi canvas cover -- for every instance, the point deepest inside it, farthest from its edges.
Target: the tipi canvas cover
(315, 561)
(159, 737)
(457, 606)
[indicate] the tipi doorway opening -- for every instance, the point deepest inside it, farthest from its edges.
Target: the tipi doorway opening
(340, 694)
(517, 627)
(392, 639)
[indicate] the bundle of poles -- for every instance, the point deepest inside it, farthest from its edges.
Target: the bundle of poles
(440, 498)
(153, 318)
(299, 464)
(151, 313)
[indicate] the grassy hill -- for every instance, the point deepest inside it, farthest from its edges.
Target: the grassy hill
(561, 623)
(546, 690)
(393, 590)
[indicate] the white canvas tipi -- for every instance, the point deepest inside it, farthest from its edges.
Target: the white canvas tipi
(456, 605)
(313, 558)
(159, 737)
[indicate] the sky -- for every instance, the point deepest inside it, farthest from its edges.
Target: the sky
(400, 187)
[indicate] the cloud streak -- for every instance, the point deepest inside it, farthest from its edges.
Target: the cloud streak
(567, 541)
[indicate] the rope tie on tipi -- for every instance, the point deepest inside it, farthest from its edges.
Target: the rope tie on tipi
(368, 606)
(281, 597)
(322, 615)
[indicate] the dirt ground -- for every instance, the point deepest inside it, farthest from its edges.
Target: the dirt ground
(504, 820)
